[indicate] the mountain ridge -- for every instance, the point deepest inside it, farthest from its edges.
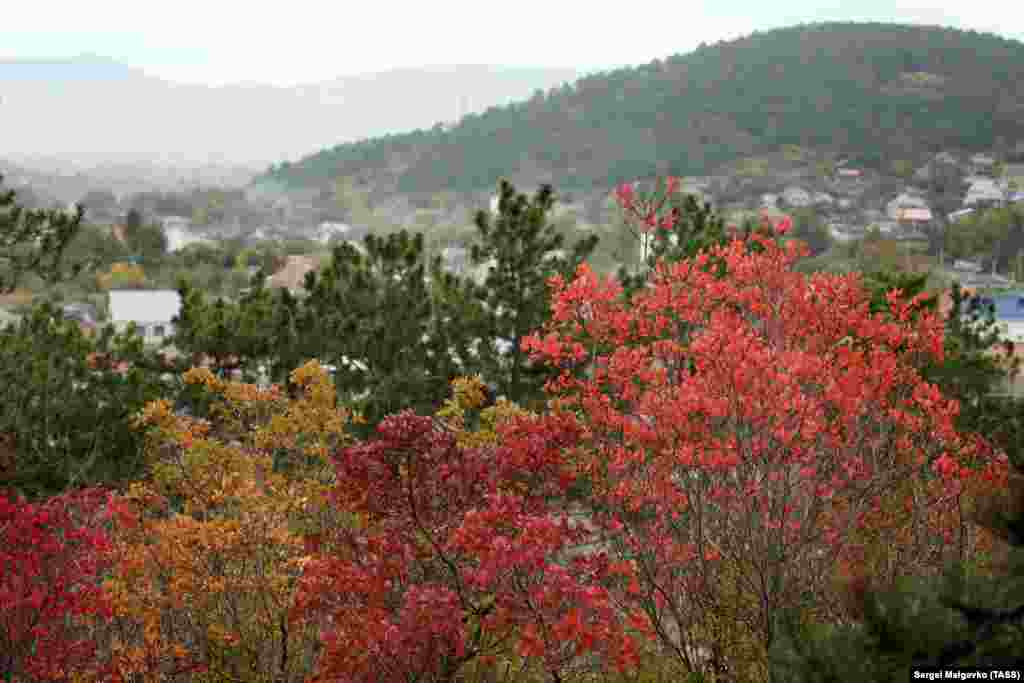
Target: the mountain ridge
(874, 91)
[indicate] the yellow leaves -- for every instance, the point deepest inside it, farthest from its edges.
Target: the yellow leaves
(121, 274)
(225, 559)
(203, 376)
(468, 395)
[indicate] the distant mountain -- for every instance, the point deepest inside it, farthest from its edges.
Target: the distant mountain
(92, 109)
(871, 91)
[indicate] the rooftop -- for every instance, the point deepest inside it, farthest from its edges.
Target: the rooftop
(143, 305)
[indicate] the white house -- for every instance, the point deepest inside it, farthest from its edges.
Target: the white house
(982, 163)
(914, 215)
(797, 196)
(895, 208)
(984, 189)
(966, 266)
(455, 259)
(150, 309)
(328, 230)
(845, 233)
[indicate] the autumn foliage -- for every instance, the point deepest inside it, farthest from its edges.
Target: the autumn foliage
(754, 425)
(122, 275)
(210, 547)
(734, 440)
(53, 556)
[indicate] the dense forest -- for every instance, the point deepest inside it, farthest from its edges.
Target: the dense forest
(868, 90)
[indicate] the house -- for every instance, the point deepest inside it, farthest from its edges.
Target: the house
(965, 266)
(984, 190)
(293, 274)
(82, 312)
(914, 215)
(985, 281)
(151, 310)
(327, 231)
(982, 163)
(455, 259)
(797, 196)
(823, 198)
(906, 200)
(846, 233)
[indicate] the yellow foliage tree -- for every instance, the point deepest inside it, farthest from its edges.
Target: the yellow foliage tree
(212, 543)
(122, 275)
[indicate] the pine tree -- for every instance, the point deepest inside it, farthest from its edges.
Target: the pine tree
(34, 241)
(371, 316)
(520, 247)
(68, 402)
(958, 620)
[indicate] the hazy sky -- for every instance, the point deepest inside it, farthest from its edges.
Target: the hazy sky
(304, 41)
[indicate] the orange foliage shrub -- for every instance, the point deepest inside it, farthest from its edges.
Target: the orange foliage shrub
(211, 545)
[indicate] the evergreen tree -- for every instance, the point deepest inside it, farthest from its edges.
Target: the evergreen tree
(371, 316)
(68, 403)
(233, 335)
(962, 619)
(519, 244)
(34, 241)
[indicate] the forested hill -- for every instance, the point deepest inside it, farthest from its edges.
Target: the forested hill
(871, 91)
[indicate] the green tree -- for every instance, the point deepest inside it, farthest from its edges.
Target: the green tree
(68, 405)
(34, 241)
(233, 335)
(146, 241)
(521, 250)
(371, 316)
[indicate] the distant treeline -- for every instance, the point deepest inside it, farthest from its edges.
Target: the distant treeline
(874, 91)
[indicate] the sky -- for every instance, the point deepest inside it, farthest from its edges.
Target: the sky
(307, 41)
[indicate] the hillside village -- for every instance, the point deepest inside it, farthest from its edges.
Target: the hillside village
(913, 210)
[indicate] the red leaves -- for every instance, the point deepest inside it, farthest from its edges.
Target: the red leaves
(53, 556)
(797, 395)
(460, 551)
(733, 427)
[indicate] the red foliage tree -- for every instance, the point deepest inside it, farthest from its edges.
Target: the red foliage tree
(742, 426)
(453, 558)
(53, 556)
